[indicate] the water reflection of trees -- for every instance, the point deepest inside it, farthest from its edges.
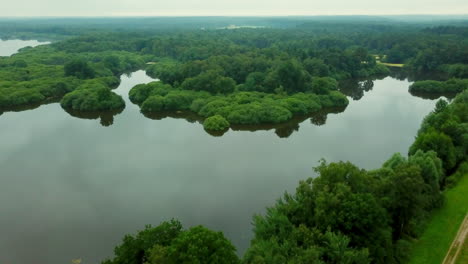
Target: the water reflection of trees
(402, 74)
(106, 118)
(27, 107)
(433, 96)
(282, 130)
(355, 88)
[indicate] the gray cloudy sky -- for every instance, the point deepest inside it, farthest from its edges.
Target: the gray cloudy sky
(227, 7)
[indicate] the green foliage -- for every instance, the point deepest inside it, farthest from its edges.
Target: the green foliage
(445, 132)
(236, 108)
(322, 85)
(216, 123)
(349, 215)
(17, 97)
(256, 113)
(92, 97)
(80, 69)
(38, 75)
(210, 81)
(244, 107)
(141, 247)
(109, 81)
(443, 226)
(20, 64)
(297, 106)
(167, 71)
(403, 250)
(438, 142)
(433, 175)
(270, 61)
(460, 173)
(141, 92)
(153, 103)
(291, 76)
(316, 67)
(345, 214)
(199, 245)
(168, 243)
(450, 86)
(157, 255)
(338, 250)
(339, 199)
(456, 70)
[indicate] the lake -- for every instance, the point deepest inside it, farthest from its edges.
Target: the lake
(11, 46)
(72, 188)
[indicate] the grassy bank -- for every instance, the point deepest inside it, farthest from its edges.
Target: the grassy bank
(433, 245)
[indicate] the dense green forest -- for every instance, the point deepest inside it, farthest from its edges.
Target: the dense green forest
(268, 75)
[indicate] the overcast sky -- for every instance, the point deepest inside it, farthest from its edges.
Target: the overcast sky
(227, 7)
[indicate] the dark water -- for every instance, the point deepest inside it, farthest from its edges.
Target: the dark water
(71, 188)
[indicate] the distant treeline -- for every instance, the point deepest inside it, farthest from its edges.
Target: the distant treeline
(249, 76)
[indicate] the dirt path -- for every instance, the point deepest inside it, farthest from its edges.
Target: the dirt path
(457, 243)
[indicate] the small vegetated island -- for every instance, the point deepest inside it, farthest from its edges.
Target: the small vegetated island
(249, 85)
(217, 98)
(439, 87)
(82, 82)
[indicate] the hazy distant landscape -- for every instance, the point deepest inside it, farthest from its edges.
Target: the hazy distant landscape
(263, 139)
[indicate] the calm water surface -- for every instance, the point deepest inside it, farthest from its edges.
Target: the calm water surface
(71, 188)
(9, 47)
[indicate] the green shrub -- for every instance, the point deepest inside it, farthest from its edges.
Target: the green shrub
(210, 81)
(92, 99)
(201, 245)
(437, 142)
(322, 85)
(141, 92)
(14, 97)
(295, 105)
(80, 69)
(450, 86)
(216, 123)
(153, 103)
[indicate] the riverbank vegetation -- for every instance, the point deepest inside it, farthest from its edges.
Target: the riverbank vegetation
(216, 123)
(350, 215)
(439, 87)
(169, 243)
(377, 213)
(443, 226)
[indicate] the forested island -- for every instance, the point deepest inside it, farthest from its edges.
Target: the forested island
(270, 75)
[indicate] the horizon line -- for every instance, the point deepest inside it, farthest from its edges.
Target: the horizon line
(231, 15)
